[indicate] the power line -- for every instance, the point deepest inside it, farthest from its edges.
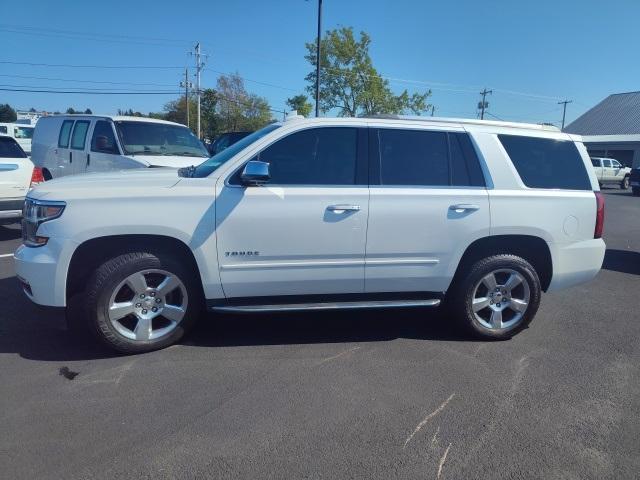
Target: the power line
(65, 65)
(73, 80)
(91, 92)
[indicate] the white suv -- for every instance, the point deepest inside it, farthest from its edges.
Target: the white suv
(322, 214)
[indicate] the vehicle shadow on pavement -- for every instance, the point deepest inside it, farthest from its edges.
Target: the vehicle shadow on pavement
(41, 334)
(623, 261)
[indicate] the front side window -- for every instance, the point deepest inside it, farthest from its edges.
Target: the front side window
(149, 138)
(23, 132)
(65, 134)
(615, 164)
(413, 157)
(103, 139)
(79, 135)
(546, 162)
(316, 156)
(9, 148)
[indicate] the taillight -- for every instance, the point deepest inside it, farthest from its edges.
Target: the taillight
(599, 215)
(37, 176)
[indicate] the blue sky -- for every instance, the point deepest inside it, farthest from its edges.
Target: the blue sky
(532, 54)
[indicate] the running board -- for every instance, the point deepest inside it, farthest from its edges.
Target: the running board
(292, 307)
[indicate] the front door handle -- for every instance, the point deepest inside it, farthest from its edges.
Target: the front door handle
(343, 208)
(464, 207)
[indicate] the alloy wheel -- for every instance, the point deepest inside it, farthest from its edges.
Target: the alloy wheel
(500, 299)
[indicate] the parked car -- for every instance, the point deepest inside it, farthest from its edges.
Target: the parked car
(226, 140)
(611, 171)
(16, 175)
(72, 144)
(322, 213)
(22, 133)
(634, 181)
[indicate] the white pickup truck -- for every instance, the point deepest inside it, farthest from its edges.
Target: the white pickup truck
(609, 171)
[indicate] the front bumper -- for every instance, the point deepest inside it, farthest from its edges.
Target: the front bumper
(576, 263)
(42, 271)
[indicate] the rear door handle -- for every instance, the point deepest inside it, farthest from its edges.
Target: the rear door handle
(464, 207)
(343, 208)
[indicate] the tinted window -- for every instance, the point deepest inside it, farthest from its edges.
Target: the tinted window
(465, 166)
(413, 157)
(103, 139)
(3, 129)
(65, 133)
(150, 138)
(317, 156)
(79, 135)
(607, 163)
(9, 148)
(595, 162)
(546, 163)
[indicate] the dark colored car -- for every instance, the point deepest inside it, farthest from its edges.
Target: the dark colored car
(634, 181)
(226, 140)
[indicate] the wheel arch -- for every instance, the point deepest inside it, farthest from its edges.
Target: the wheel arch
(93, 252)
(533, 249)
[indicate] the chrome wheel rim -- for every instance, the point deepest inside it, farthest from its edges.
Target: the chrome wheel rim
(500, 299)
(148, 305)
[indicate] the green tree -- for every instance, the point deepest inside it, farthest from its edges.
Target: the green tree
(300, 104)
(349, 82)
(88, 111)
(238, 109)
(7, 114)
(71, 111)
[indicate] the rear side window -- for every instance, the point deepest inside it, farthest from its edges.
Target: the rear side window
(65, 133)
(427, 158)
(546, 163)
(3, 129)
(607, 163)
(9, 148)
(103, 139)
(413, 157)
(595, 162)
(79, 135)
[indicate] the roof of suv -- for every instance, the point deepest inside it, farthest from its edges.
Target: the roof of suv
(117, 118)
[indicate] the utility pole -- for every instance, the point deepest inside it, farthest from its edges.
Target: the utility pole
(199, 66)
(433, 109)
(318, 58)
(187, 85)
(564, 110)
(483, 104)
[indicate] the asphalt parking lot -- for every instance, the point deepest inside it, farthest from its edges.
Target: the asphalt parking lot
(393, 394)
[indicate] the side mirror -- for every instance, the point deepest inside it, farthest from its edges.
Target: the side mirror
(255, 173)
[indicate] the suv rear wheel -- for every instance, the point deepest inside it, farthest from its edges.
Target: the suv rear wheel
(498, 298)
(624, 184)
(141, 301)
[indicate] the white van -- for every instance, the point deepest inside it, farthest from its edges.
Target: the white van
(22, 133)
(73, 144)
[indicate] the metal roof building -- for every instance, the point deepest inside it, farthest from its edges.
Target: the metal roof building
(612, 128)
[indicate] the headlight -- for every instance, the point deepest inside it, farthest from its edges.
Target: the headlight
(35, 213)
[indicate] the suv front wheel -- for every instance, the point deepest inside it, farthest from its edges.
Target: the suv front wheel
(498, 297)
(140, 301)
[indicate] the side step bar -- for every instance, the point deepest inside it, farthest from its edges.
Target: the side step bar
(292, 307)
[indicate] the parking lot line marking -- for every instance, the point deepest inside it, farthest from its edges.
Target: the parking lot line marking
(338, 355)
(442, 460)
(4, 255)
(427, 418)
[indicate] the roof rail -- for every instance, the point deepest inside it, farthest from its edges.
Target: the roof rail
(467, 121)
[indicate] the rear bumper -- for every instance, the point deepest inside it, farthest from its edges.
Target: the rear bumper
(11, 208)
(576, 263)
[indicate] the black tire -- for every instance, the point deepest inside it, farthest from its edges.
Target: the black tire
(624, 184)
(636, 191)
(461, 299)
(93, 310)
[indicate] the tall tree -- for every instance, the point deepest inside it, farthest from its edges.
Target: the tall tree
(350, 84)
(7, 114)
(71, 111)
(88, 111)
(300, 104)
(238, 109)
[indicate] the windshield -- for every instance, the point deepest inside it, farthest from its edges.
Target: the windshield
(23, 132)
(205, 169)
(146, 138)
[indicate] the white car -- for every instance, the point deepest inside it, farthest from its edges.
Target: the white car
(22, 133)
(16, 175)
(72, 144)
(320, 214)
(611, 171)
